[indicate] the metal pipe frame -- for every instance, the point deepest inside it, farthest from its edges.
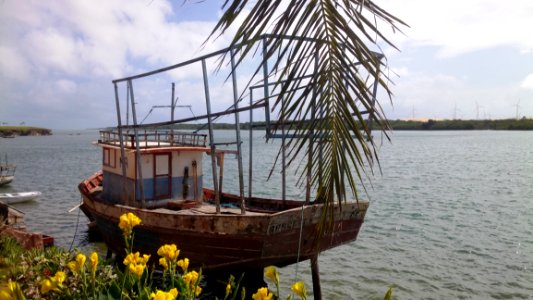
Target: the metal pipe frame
(237, 130)
(211, 138)
(137, 146)
(123, 159)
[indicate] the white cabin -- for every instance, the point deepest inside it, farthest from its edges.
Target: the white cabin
(170, 167)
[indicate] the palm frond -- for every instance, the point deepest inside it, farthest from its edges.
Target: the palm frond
(329, 110)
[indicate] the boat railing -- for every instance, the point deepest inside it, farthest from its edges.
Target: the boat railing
(7, 170)
(269, 89)
(153, 138)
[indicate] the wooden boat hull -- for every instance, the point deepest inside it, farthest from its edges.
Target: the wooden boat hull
(265, 235)
(7, 173)
(13, 226)
(6, 180)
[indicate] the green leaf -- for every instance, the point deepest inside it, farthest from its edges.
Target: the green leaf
(388, 295)
(325, 92)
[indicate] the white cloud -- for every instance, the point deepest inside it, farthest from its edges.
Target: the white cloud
(85, 38)
(66, 86)
(458, 26)
(528, 82)
(50, 49)
(12, 64)
(53, 49)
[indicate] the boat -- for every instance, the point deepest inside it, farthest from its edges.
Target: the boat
(12, 224)
(7, 173)
(157, 173)
(14, 198)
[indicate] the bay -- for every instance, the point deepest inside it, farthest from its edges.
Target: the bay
(451, 212)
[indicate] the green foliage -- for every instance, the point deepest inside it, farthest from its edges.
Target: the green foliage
(388, 295)
(30, 268)
(502, 124)
(23, 130)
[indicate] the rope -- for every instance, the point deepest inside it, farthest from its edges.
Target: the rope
(299, 244)
(76, 231)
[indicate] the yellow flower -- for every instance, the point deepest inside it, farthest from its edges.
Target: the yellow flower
(163, 263)
(137, 269)
(73, 266)
(299, 289)
(54, 283)
(272, 273)
(127, 222)
(160, 295)
(190, 278)
(184, 264)
(262, 294)
(46, 286)
(94, 261)
(228, 289)
(11, 285)
(198, 291)
(6, 295)
(174, 292)
(135, 263)
(76, 266)
(59, 278)
(170, 252)
(11, 292)
(131, 258)
(145, 258)
(80, 259)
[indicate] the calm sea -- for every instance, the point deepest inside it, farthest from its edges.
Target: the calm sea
(451, 213)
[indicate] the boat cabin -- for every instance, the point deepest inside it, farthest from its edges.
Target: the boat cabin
(163, 166)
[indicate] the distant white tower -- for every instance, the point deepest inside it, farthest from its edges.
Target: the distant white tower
(517, 105)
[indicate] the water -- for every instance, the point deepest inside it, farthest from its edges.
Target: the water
(451, 215)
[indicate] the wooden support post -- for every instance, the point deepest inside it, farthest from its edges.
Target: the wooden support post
(220, 160)
(317, 291)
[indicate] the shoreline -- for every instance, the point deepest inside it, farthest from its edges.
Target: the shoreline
(12, 131)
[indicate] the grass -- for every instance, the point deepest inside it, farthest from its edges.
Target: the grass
(24, 130)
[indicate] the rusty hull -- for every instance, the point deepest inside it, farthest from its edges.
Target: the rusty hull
(268, 234)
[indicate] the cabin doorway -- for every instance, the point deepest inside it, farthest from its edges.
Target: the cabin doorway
(162, 175)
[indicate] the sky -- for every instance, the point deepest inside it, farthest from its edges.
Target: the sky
(457, 59)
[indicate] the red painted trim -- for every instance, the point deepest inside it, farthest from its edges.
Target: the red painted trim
(175, 149)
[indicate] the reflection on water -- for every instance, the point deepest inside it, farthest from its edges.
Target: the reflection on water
(451, 216)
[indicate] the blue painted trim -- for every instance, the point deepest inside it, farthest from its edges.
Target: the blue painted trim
(112, 188)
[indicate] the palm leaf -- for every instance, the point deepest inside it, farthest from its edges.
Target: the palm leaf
(329, 110)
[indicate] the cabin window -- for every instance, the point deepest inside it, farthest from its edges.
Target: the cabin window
(162, 176)
(110, 157)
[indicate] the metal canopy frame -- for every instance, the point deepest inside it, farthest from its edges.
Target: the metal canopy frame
(235, 109)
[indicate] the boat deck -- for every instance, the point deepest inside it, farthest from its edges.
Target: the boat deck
(208, 209)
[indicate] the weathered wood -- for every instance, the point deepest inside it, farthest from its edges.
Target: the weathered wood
(267, 234)
(29, 240)
(315, 273)
(220, 162)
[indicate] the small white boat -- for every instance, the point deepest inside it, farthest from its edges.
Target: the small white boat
(12, 198)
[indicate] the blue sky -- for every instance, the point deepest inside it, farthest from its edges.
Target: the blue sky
(468, 59)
